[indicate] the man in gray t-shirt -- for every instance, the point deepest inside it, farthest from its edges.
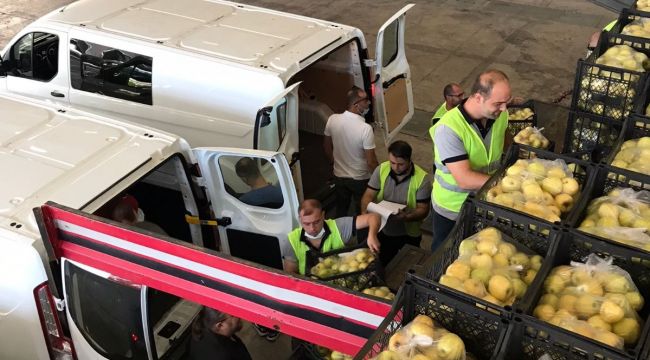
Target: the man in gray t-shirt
(398, 173)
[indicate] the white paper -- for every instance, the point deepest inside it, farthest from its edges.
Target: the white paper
(385, 209)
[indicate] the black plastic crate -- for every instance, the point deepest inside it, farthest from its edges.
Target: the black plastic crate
(608, 179)
(605, 90)
(575, 246)
(584, 172)
(590, 137)
(635, 127)
(529, 236)
(373, 275)
(625, 17)
(515, 126)
(529, 338)
(642, 102)
(482, 331)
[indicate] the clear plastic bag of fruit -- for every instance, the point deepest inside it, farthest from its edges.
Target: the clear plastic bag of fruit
(623, 57)
(532, 136)
(422, 338)
(643, 5)
(542, 188)
(639, 27)
(634, 155)
(596, 299)
(623, 216)
(491, 267)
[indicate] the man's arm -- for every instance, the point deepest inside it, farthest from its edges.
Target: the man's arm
(371, 159)
(328, 147)
(290, 266)
(367, 198)
(372, 222)
(419, 213)
(466, 178)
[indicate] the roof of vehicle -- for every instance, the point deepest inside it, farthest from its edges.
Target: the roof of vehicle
(66, 156)
(241, 33)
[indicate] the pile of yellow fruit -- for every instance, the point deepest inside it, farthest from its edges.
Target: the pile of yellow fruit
(491, 269)
(643, 5)
(343, 263)
(634, 155)
(328, 354)
(380, 291)
(520, 114)
(532, 136)
(596, 300)
(639, 28)
(624, 57)
(542, 188)
(421, 339)
(623, 216)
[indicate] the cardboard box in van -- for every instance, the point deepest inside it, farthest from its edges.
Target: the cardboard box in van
(120, 260)
(216, 73)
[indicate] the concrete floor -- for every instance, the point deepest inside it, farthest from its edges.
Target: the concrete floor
(536, 42)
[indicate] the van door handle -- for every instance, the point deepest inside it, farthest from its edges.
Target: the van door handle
(57, 94)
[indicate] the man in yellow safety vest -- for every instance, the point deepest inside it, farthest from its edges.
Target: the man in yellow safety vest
(453, 94)
(323, 235)
(467, 143)
(400, 181)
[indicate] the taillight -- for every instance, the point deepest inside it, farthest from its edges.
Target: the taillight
(59, 346)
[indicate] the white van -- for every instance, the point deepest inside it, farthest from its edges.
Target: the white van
(216, 73)
(99, 289)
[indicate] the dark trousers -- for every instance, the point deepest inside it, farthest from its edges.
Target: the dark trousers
(348, 190)
(391, 245)
(441, 229)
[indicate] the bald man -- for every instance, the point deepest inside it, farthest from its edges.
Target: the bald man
(468, 143)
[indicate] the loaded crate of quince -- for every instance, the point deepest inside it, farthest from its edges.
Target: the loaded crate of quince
(545, 185)
(355, 267)
(520, 117)
(642, 6)
(590, 137)
(493, 263)
(592, 300)
(616, 209)
(632, 28)
(632, 151)
(429, 322)
(609, 82)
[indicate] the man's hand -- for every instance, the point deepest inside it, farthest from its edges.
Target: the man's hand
(373, 243)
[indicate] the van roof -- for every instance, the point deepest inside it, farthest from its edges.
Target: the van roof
(66, 156)
(272, 40)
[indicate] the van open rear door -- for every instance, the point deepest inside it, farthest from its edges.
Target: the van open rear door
(392, 87)
(309, 310)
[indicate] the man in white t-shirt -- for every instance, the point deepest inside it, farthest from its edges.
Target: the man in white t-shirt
(350, 146)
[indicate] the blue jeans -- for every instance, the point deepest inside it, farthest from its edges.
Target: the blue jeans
(441, 229)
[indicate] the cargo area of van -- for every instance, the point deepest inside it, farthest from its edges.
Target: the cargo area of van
(323, 93)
